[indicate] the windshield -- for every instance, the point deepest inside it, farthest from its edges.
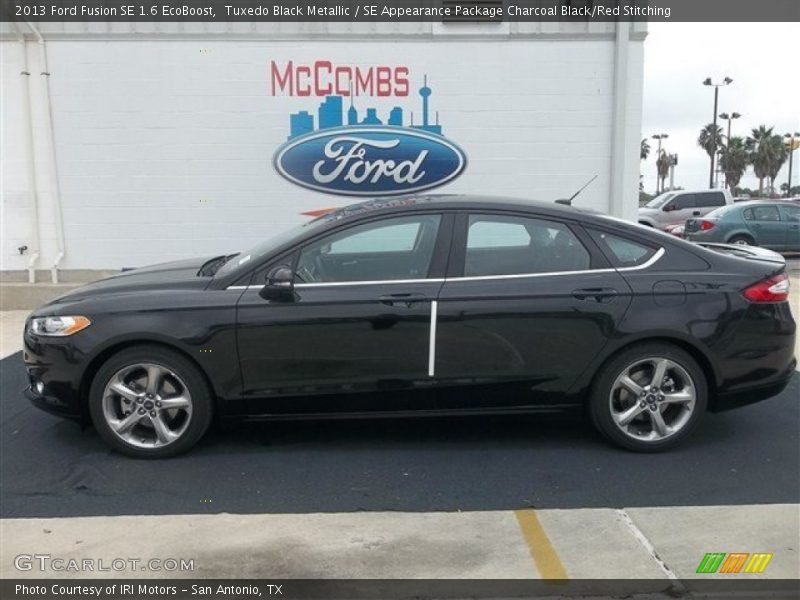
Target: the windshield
(251, 256)
(659, 201)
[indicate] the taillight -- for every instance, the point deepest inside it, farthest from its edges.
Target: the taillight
(774, 289)
(706, 225)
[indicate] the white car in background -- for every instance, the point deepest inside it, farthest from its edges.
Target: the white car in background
(675, 207)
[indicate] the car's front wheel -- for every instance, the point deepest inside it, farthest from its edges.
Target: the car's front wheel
(150, 402)
(649, 397)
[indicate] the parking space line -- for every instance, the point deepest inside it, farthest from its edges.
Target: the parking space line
(544, 555)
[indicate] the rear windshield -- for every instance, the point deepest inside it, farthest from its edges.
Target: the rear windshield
(718, 213)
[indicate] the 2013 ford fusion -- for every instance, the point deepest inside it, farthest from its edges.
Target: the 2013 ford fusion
(422, 305)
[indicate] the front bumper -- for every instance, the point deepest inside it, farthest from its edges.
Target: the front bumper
(51, 404)
(55, 368)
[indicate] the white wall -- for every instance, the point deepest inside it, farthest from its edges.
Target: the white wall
(164, 147)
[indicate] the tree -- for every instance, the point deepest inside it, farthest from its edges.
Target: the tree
(710, 139)
(644, 150)
(758, 147)
(733, 160)
(778, 153)
(662, 165)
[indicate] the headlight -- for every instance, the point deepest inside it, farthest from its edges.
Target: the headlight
(58, 326)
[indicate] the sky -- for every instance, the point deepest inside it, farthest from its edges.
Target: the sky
(763, 59)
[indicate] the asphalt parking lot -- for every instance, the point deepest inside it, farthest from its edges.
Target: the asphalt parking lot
(52, 468)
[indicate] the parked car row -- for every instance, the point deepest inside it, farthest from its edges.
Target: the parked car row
(773, 225)
(713, 216)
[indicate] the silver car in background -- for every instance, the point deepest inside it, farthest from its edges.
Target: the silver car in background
(675, 207)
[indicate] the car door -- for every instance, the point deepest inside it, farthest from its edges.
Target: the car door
(791, 216)
(764, 221)
(359, 318)
(528, 302)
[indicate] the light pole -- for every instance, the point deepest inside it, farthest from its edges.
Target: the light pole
(728, 117)
(716, 86)
(659, 137)
(791, 138)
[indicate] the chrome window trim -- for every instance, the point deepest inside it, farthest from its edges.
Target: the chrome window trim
(650, 262)
(373, 282)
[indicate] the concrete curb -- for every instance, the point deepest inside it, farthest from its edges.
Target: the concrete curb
(586, 543)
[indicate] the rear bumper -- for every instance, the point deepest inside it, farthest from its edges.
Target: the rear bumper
(742, 397)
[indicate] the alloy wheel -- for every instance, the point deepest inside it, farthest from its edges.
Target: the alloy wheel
(652, 399)
(147, 405)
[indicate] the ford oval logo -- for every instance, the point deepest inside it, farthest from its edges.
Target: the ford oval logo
(370, 161)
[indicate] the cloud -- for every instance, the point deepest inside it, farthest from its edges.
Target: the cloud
(762, 59)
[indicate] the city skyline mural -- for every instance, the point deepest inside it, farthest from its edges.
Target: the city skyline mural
(331, 113)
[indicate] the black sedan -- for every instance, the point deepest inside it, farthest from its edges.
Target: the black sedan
(422, 306)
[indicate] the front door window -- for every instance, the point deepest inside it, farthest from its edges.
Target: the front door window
(386, 250)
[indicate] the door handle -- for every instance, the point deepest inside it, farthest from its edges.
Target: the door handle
(402, 298)
(596, 294)
(696, 213)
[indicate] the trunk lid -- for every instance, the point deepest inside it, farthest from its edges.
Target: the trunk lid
(753, 253)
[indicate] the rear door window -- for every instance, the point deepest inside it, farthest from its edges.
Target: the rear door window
(707, 199)
(509, 245)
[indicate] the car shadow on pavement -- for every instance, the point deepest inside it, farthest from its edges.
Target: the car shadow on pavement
(50, 467)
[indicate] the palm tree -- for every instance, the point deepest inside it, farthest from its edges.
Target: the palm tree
(662, 165)
(733, 160)
(758, 147)
(778, 153)
(644, 150)
(710, 139)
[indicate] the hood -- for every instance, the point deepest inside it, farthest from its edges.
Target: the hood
(179, 274)
(644, 210)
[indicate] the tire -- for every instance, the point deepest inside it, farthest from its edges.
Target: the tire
(150, 420)
(744, 240)
(680, 401)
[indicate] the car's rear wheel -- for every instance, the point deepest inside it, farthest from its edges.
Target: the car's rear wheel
(649, 397)
(741, 240)
(150, 402)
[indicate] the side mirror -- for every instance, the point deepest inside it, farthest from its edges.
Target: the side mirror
(280, 284)
(669, 208)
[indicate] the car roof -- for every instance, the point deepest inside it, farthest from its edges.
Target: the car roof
(452, 202)
(760, 201)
